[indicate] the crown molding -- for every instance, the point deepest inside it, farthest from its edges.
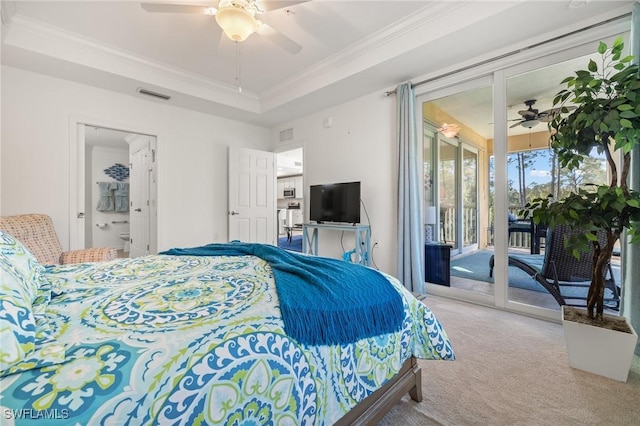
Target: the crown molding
(433, 21)
(32, 35)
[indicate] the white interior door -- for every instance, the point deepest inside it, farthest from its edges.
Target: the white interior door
(141, 167)
(251, 195)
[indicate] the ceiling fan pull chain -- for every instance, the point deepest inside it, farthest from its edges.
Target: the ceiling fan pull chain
(238, 69)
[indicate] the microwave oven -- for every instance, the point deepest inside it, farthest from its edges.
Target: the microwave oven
(289, 193)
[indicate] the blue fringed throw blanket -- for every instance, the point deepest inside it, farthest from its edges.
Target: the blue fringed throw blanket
(323, 301)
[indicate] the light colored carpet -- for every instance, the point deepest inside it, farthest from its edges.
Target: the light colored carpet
(512, 370)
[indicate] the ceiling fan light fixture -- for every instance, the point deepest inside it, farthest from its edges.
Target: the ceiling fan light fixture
(236, 22)
(530, 123)
(449, 130)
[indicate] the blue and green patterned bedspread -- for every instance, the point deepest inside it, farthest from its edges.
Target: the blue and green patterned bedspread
(196, 340)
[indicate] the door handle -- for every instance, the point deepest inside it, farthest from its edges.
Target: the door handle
(138, 210)
(80, 215)
(232, 213)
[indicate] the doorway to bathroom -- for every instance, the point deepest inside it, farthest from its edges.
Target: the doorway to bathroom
(116, 187)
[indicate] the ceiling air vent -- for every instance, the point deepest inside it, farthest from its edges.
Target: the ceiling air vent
(154, 94)
(286, 135)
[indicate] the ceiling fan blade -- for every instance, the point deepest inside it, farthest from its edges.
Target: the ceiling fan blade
(279, 39)
(177, 8)
(268, 5)
(517, 124)
(547, 116)
(550, 114)
(528, 113)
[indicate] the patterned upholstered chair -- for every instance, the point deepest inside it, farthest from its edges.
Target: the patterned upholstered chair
(36, 232)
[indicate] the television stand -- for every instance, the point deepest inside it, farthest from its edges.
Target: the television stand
(362, 234)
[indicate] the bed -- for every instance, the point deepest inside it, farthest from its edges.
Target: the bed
(189, 339)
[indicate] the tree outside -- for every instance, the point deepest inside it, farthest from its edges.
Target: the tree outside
(537, 173)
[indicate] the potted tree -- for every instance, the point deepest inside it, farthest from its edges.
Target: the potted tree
(606, 98)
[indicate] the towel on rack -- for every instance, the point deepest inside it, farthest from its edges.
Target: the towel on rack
(106, 202)
(122, 197)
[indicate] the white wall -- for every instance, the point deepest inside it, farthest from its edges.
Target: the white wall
(192, 154)
(360, 146)
(192, 158)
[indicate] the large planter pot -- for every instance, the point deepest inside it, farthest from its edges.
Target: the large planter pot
(599, 350)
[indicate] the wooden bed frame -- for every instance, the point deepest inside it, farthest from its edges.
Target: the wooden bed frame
(373, 408)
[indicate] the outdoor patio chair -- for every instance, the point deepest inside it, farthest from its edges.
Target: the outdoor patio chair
(561, 274)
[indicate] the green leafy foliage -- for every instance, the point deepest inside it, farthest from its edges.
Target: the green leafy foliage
(607, 117)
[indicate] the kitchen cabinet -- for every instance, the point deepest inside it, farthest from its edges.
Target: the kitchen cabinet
(280, 188)
(290, 182)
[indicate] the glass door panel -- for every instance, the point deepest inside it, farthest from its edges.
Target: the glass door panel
(429, 135)
(456, 186)
(533, 171)
(529, 170)
(448, 171)
(469, 199)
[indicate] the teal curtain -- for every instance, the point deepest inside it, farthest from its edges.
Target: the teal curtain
(410, 245)
(631, 259)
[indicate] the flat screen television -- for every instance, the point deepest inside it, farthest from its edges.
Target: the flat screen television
(336, 202)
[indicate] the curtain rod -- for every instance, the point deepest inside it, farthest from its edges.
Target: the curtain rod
(514, 52)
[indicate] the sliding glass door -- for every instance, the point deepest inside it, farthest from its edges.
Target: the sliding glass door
(486, 153)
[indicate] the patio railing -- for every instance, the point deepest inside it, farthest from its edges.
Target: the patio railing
(447, 228)
(517, 239)
(448, 220)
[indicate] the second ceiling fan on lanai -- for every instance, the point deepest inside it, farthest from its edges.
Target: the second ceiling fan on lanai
(531, 117)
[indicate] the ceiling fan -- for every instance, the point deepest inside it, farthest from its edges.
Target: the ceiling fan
(237, 18)
(532, 117)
